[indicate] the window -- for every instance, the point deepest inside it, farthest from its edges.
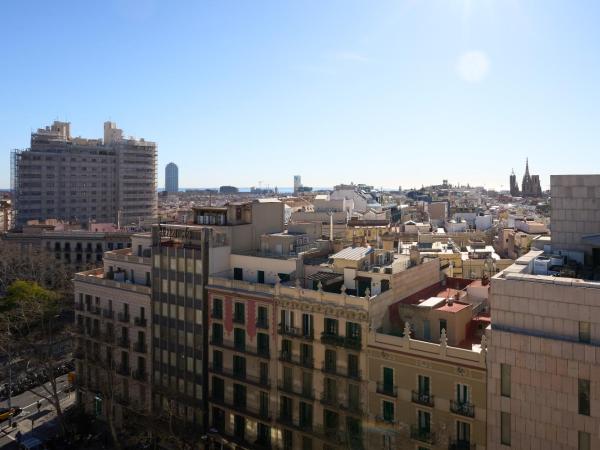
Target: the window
(463, 432)
(443, 326)
(424, 385)
(584, 397)
(264, 404)
(217, 333)
(262, 320)
(584, 332)
(307, 325)
(286, 407)
(307, 443)
(388, 379)
(330, 390)
(260, 277)
(239, 366)
(462, 393)
(239, 395)
(306, 415)
(353, 397)
(505, 428)
(288, 443)
(287, 319)
(353, 330)
(330, 361)
(239, 314)
(307, 383)
(218, 389)
(330, 420)
(217, 311)
(217, 360)
(288, 378)
(504, 380)
(306, 355)
(239, 339)
(331, 326)
(353, 368)
(583, 441)
(263, 435)
(388, 411)
(286, 349)
(264, 373)
(239, 426)
(262, 343)
(238, 273)
(424, 419)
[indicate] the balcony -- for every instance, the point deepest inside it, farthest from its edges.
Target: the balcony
(422, 434)
(96, 310)
(241, 348)
(139, 374)
(140, 347)
(289, 388)
(108, 314)
(387, 389)
(262, 324)
(124, 342)
(109, 338)
(462, 408)
(354, 408)
(79, 307)
(330, 369)
(140, 322)
(353, 343)
(296, 332)
(264, 382)
(388, 420)
(460, 444)
(240, 320)
(300, 360)
(422, 398)
(123, 317)
(95, 332)
(329, 399)
(124, 369)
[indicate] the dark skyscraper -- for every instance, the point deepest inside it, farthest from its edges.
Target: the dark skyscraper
(172, 178)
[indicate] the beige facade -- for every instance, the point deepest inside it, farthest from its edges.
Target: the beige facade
(425, 395)
(112, 323)
(72, 178)
(544, 357)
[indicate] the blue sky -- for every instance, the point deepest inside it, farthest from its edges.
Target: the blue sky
(382, 92)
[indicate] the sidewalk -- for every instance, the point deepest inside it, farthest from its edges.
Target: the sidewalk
(43, 423)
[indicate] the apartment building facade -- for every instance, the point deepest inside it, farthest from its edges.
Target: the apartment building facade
(183, 259)
(75, 179)
(544, 341)
(288, 366)
(112, 327)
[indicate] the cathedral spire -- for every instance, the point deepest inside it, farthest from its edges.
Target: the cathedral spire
(527, 166)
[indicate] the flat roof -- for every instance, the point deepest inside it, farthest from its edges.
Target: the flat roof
(353, 253)
(431, 302)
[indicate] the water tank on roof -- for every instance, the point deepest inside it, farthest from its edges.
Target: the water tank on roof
(541, 264)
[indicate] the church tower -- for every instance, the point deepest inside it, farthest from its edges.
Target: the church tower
(514, 186)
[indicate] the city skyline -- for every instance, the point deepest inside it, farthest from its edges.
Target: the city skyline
(495, 83)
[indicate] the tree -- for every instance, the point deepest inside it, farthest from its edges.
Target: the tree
(29, 315)
(32, 264)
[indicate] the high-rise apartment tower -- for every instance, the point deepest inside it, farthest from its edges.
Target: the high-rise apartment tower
(77, 179)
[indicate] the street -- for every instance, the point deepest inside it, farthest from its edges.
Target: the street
(28, 402)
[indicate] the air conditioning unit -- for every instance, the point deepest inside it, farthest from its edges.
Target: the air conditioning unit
(388, 270)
